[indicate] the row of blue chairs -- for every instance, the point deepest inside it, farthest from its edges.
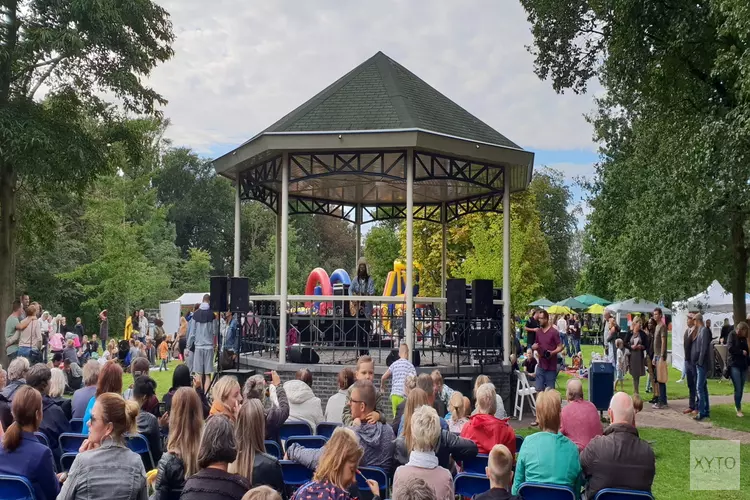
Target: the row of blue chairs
(469, 484)
(295, 475)
(70, 443)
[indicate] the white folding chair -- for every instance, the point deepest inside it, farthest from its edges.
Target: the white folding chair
(523, 391)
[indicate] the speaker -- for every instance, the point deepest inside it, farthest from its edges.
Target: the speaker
(239, 295)
(464, 385)
(455, 294)
(341, 307)
(601, 384)
(393, 357)
(240, 373)
(481, 298)
(219, 293)
(302, 354)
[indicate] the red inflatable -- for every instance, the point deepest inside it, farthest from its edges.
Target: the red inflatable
(319, 276)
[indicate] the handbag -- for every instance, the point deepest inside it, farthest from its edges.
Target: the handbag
(662, 372)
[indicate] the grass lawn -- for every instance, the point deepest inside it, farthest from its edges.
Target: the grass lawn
(163, 379)
(726, 416)
(672, 481)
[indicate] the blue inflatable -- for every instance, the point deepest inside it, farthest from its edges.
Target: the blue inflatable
(340, 276)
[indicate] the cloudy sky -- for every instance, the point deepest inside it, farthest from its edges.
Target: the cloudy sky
(239, 66)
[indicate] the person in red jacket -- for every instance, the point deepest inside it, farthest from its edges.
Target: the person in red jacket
(484, 428)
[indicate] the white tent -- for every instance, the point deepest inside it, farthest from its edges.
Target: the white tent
(635, 306)
(189, 299)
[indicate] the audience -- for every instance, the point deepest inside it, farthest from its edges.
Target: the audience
(105, 467)
(73, 374)
(425, 383)
(303, 404)
(110, 380)
(399, 370)
(500, 473)
(21, 453)
(262, 493)
(16, 379)
(276, 415)
(499, 405)
(336, 470)
(54, 422)
(304, 375)
(484, 428)
(547, 456)
(70, 353)
(409, 384)
(139, 366)
(182, 378)
(181, 458)
(443, 393)
(457, 409)
(579, 420)
(57, 390)
(335, 404)
(365, 371)
(226, 398)
(253, 463)
(423, 463)
(82, 396)
(414, 488)
(619, 458)
(218, 449)
(144, 390)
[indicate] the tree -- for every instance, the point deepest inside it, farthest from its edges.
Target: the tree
(382, 247)
(672, 186)
(76, 51)
(195, 272)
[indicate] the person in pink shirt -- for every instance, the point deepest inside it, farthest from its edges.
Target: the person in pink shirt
(56, 342)
(579, 419)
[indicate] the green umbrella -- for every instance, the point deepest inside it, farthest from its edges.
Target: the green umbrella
(543, 302)
(573, 304)
(590, 300)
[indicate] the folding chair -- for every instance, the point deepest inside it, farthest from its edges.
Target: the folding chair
(66, 461)
(16, 488)
(273, 448)
(139, 444)
(619, 494)
(306, 441)
(523, 391)
(42, 437)
(70, 442)
(76, 425)
(294, 474)
(289, 429)
(326, 429)
(476, 465)
(540, 491)
(375, 473)
(468, 485)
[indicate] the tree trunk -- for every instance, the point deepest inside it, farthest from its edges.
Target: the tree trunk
(7, 247)
(739, 275)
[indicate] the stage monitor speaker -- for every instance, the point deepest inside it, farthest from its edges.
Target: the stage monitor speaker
(481, 298)
(302, 354)
(601, 383)
(219, 293)
(241, 374)
(341, 308)
(464, 385)
(456, 297)
(239, 295)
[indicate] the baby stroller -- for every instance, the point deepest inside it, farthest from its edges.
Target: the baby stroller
(123, 353)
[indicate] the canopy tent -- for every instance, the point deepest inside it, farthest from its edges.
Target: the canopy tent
(596, 309)
(590, 300)
(558, 309)
(189, 299)
(543, 302)
(572, 303)
(636, 306)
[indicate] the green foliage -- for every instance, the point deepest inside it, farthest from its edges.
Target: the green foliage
(195, 272)
(382, 247)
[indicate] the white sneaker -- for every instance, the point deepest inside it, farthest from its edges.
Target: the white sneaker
(681, 381)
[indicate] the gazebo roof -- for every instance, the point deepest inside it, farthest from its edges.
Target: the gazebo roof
(350, 144)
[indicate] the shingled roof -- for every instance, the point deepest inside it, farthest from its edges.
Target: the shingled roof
(380, 94)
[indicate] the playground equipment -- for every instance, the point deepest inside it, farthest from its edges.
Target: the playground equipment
(395, 286)
(319, 283)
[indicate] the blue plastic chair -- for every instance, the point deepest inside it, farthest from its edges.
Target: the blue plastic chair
(519, 442)
(139, 444)
(295, 474)
(540, 491)
(66, 461)
(326, 429)
(306, 441)
(76, 425)
(619, 494)
(289, 429)
(273, 448)
(70, 442)
(16, 488)
(375, 473)
(42, 437)
(468, 485)
(476, 465)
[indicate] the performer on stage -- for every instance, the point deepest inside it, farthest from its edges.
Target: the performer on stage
(363, 286)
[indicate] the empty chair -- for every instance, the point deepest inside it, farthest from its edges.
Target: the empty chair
(76, 425)
(326, 429)
(306, 441)
(289, 429)
(42, 437)
(469, 485)
(273, 448)
(66, 461)
(539, 491)
(139, 444)
(295, 474)
(476, 465)
(523, 391)
(619, 494)
(16, 488)
(519, 442)
(375, 473)
(70, 442)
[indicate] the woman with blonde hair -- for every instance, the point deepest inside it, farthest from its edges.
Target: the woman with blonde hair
(457, 408)
(499, 405)
(417, 398)
(337, 469)
(56, 391)
(253, 463)
(226, 398)
(105, 467)
(181, 459)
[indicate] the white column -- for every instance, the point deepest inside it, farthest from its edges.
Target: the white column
(358, 219)
(506, 268)
(237, 212)
(277, 255)
(409, 292)
(284, 236)
(444, 267)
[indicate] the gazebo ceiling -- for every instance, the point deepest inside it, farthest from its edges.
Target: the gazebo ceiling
(348, 146)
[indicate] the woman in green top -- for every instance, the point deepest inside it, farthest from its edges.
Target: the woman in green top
(547, 456)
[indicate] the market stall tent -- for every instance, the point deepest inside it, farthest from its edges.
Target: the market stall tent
(191, 298)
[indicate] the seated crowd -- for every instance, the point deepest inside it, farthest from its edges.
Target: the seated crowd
(218, 450)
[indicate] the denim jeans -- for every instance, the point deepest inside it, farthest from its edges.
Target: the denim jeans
(564, 341)
(575, 345)
(701, 387)
(690, 376)
(739, 377)
(663, 393)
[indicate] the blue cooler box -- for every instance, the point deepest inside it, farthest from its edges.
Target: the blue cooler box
(601, 384)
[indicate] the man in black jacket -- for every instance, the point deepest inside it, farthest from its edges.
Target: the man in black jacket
(689, 338)
(702, 356)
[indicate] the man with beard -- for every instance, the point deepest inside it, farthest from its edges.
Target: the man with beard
(547, 344)
(363, 286)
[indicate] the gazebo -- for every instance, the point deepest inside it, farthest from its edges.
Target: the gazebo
(379, 143)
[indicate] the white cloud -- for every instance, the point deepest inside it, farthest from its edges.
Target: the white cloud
(239, 66)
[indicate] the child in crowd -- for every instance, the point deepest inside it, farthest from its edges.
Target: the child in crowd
(513, 362)
(621, 365)
(529, 364)
(637, 403)
(365, 371)
(262, 493)
(399, 370)
(458, 414)
(163, 353)
(500, 473)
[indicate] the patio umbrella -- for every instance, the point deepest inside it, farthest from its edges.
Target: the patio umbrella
(590, 300)
(543, 302)
(558, 309)
(636, 306)
(572, 303)
(596, 309)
